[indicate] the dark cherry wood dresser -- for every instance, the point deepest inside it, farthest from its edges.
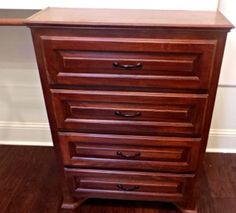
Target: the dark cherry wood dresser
(129, 96)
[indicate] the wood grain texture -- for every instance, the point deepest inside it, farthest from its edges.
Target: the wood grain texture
(132, 18)
(129, 185)
(24, 190)
(154, 153)
(129, 62)
(103, 119)
(176, 100)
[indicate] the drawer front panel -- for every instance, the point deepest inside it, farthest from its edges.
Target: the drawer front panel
(128, 185)
(129, 62)
(130, 152)
(129, 112)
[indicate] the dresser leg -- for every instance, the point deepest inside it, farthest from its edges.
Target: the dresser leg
(71, 207)
(69, 203)
(186, 208)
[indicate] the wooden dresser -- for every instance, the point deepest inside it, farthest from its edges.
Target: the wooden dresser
(129, 96)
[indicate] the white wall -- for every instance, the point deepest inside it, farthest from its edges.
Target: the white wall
(22, 112)
(23, 117)
(143, 4)
(224, 117)
(228, 76)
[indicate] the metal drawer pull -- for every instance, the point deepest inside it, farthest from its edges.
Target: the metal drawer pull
(127, 66)
(136, 114)
(138, 154)
(132, 188)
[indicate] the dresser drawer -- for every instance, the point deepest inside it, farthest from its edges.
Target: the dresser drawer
(129, 152)
(129, 62)
(128, 185)
(129, 112)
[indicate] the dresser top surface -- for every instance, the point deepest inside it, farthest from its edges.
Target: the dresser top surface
(129, 18)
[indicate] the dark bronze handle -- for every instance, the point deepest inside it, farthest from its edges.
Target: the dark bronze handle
(138, 154)
(127, 66)
(132, 188)
(136, 114)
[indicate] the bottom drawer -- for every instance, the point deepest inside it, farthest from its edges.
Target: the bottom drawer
(128, 185)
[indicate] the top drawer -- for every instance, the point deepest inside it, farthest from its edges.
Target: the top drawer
(129, 62)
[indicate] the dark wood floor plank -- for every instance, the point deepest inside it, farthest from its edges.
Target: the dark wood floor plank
(231, 173)
(219, 170)
(31, 191)
(204, 196)
(51, 187)
(224, 205)
(29, 183)
(13, 173)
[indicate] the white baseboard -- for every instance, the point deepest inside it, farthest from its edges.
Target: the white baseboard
(222, 140)
(25, 133)
(38, 134)
(27, 143)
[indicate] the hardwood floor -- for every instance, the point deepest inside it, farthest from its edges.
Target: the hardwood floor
(29, 183)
